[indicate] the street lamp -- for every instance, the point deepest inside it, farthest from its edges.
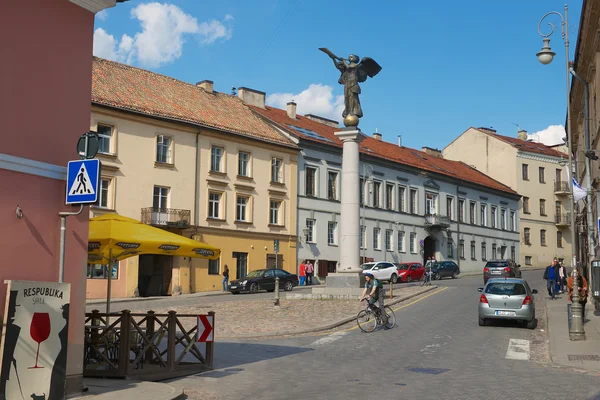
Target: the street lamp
(545, 56)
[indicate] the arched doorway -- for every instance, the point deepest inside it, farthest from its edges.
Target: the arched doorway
(428, 249)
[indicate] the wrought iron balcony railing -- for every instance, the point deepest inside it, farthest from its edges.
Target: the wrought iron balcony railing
(561, 187)
(166, 217)
(435, 220)
(562, 219)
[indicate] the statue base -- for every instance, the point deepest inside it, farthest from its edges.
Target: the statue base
(343, 285)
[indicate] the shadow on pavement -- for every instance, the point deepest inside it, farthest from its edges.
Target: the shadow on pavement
(231, 354)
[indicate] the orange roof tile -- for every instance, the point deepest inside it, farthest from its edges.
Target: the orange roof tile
(523, 145)
(322, 133)
(137, 90)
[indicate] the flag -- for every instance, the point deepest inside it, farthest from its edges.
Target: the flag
(579, 193)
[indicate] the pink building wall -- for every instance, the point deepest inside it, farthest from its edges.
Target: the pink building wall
(45, 91)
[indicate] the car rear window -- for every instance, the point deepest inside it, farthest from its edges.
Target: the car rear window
(506, 288)
(496, 265)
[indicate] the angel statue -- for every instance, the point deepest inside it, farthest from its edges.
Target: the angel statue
(353, 73)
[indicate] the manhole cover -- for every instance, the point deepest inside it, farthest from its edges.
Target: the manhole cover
(430, 371)
(583, 357)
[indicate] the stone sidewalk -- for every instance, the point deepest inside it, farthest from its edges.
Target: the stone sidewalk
(105, 389)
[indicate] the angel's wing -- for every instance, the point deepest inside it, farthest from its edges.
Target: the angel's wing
(367, 68)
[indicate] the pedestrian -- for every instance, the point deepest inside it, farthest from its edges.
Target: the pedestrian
(310, 270)
(225, 278)
(582, 288)
(302, 273)
(550, 275)
(562, 274)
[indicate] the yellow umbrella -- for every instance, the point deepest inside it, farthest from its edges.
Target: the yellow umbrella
(114, 237)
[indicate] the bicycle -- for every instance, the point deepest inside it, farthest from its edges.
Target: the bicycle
(370, 318)
(426, 278)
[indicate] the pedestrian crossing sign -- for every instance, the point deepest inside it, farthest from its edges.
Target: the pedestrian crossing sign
(83, 177)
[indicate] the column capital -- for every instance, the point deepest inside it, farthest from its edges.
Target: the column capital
(350, 135)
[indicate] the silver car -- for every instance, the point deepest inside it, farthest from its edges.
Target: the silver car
(507, 298)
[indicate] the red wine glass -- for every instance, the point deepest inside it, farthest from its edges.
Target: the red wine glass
(39, 331)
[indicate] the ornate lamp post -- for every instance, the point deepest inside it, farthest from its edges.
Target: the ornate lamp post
(545, 56)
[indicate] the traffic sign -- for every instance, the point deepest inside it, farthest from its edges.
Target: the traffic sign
(88, 145)
(204, 333)
(83, 178)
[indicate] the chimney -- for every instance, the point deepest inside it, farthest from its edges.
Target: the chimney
(291, 110)
(323, 120)
(252, 97)
(399, 140)
(432, 152)
(377, 135)
(206, 85)
(522, 134)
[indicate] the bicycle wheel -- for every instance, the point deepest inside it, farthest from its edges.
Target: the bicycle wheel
(423, 279)
(391, 317)
(366, 321)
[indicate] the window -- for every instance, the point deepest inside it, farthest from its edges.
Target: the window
(389, 238)
(461, 249)
(525, 169)
(513, 253)
(332, 185)
(277, 170)
(483, 215)
(503, 219)
(450, 249)
(241, 209)
(376, 194)
(559, 239)
(216, 159)
(311, 181)
(213, 267)
(105, 198)
(413, 201)
(542, 207)
(389, 196)
(401, 236)
(310, 234)
(363, 236)
(494, 216)
(513, 221)
(361, 189)
(483, 251)
(161, 198)
(100, 271)
(527, 260)
(558, 175)
(332, 233)
(494, 255)
(274, 209)
(526, 205)
(543, 237)
(450, 207)
(430, 203)
(243, 164)
(214, 205)
(376, 233)
(526, 236)
(473, 249)
(461, 210)
(163, 149)
(413, 242)
(472, 212)
(401, 199)
(105, 134)
(542, 179)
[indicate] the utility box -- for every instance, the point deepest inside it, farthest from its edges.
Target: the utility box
(595, 283)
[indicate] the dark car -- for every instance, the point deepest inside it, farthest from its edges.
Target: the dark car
(264, 279)
(443, 269)
(501, 269)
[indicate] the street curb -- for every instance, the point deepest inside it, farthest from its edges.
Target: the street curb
(330, 326)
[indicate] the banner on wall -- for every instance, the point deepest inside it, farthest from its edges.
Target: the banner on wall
(33, 355)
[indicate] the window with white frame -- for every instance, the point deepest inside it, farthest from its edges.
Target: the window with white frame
(105, 193)
(244, 164)
(483, 216)
(310, 234)
(513, 253)
(494, 252)
(376, 238)
(332, 185)
(401, 236)
(332, 233)
(277, 170)
(473, 251)
(389, 239)
(413, 242)
(414, 209)
(472, 213)
(527, 260)
(461, 210)
(483, 251)
(430, 203)
(461, 249)
(163, 149)
(503, 219)
(310, 181)
(450, 207)
(494, 216)
(242, 213)
(361, 191)
(363, 236)
(513, 221)
(389, 196)
(160, 199)
(216, 159)
(105, 139)
(450, 249)
(274, 212)
(401, 199)
(376, 194)
(214, 205)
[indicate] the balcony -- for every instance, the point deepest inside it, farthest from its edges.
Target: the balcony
(434, 221)
(166, 217)
(562, 219)
(561, 188)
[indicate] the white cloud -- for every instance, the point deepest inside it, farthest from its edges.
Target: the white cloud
(228, 17)
(318, 99)
(164, 30)
(552, 135)
(102, 15)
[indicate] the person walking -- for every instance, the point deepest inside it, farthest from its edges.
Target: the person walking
(550, 275)
(582, 288)
(225, 278)
(302, 273)
(310, 270)
(562, 276)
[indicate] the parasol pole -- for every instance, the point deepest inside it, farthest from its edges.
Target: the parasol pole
(110, 266)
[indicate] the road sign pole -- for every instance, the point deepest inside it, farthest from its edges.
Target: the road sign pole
(63, 232)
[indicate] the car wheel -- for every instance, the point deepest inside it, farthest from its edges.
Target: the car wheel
(454, 275)
(394, 278)
(482, 322)
(236, 292)
(408, 279)
(437, 277)
(288, 286)
(532, 324)
(254, 287)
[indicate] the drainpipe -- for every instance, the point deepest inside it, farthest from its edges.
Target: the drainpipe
(196, 219)
(457, 226)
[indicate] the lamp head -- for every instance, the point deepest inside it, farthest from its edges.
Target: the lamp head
(546, 55)
(305, 232)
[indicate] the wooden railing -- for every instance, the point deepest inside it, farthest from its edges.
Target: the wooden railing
(143, 346)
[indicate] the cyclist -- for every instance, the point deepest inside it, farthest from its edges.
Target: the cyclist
(374, 293)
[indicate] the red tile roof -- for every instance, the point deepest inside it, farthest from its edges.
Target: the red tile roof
(137, 90)
(384, 150)
(523, 145)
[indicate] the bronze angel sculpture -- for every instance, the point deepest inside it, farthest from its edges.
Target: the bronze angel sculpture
(353, 73)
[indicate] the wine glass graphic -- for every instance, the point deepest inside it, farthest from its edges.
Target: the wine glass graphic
(39, 331)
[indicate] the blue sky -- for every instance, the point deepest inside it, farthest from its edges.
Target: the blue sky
(447, 65)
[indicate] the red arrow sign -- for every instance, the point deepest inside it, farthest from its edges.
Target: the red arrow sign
(205, 328)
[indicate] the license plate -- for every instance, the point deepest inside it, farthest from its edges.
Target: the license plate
(233, 287)
(506, 313)
(495, 272)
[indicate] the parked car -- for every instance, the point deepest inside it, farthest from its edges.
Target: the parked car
(264, 279)
(501, 269)
(443, 269)
(409, 272)
(382, 270)
(508, 299)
